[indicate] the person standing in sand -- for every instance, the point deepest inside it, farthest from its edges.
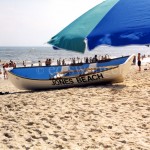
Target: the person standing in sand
(24, 64)
(4, 70)
(139, 61)
(134, 60)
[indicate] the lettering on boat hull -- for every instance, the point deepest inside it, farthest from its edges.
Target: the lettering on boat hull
(77, 80)
(62, 81)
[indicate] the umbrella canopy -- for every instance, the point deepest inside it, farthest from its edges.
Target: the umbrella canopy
(113, 22)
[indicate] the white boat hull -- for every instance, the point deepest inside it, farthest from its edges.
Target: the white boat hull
(112, 75)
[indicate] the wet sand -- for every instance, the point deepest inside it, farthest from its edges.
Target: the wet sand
(113, 117)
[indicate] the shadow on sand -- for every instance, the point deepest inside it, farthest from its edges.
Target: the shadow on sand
(109, 86)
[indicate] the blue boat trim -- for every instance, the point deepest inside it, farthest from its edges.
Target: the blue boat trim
(47, 72)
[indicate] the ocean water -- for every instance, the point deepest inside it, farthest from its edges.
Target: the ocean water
(34, 54)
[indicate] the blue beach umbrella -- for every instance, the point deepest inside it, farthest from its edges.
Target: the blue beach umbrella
(113, 22)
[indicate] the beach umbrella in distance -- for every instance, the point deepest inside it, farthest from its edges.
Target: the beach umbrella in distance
(112, 22)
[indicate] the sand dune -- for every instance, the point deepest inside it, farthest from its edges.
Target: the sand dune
(104, 117)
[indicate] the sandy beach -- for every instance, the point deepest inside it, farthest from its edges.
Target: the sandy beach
(113, 117)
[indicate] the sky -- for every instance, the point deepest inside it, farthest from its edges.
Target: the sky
(34, 22)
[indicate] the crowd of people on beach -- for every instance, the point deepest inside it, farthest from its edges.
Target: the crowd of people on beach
(82, 60)
(72, 61)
